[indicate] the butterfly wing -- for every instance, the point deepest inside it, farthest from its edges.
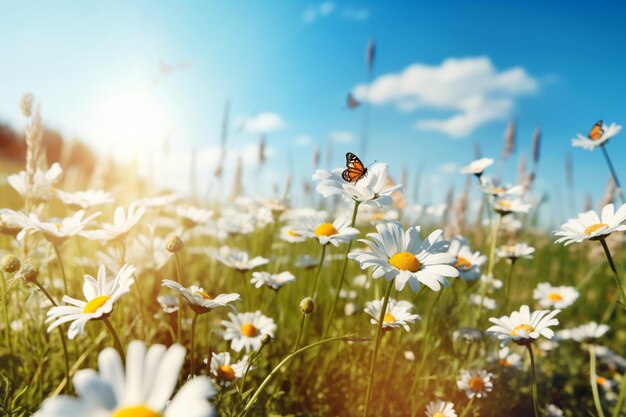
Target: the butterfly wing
(354, 168)
(596, 131)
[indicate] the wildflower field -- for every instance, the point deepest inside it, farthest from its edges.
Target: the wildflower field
(350, 292)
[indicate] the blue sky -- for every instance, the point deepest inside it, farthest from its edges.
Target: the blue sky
(96, 69)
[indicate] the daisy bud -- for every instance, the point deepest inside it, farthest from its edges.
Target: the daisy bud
(307, 305)
(27, 272)
(174, 244)
(9, 264)
(265, 339)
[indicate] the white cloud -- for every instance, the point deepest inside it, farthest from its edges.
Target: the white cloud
(342, 136)
(262, 123)
(471, 87)
(313, 12)
(303, 140)
(356, 14)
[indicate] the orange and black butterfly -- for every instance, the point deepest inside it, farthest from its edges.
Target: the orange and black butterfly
(355, 170)
(596, 131)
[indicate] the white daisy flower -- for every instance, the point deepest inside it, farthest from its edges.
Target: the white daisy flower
(468, 335)
(168, 303)
(515, 251)
(477, 167)
(509, 359)
(307, 262)
(476, 383)
(238, 259)
(143, 388)
(467, 262)
(236, 223)
(487, 303)
(409, 355)
(200, 301)
(246, 330)
(42, 186)
(101, 294)
(334, 233)
(491, 283)
(123, 222)
(553, 411)
(224, 370)
(555, 297)
(406, 257)
(274, 281)
(506, 205)
(58, 231)
(585, 142)
(349, 309)
(523, 327)
(288, 234)
(397, 313)
(193, 216)
(373, 189)
(588, 332)
(490, 187)
(589, 226)
(85, 199)
(440, 408)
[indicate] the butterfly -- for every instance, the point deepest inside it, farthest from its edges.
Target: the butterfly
(351, 102)
(596, 131)
(355, 170)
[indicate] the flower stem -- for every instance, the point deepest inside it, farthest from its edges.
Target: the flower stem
(468, 407)
(492, 254)
(194, 320)
(333, 307)
(509, 280)
(58, 253)
(319, 271)
(116, 339)
(284, 362)
(618, 282)
(179, 317)
(5, 312)
(593, 381)
(613, 174)
(379, 334)
(533, 375)
(300, 332)
(620, 399)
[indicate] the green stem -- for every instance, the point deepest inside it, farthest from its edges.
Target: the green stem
(329, 319)
(179, 313)
(284, 362)
(618, 282)
(620, 398)
(379, 334)
(116, 339)
(246, 295)
(509, 281)
(194, 320)
(5, 311)
(58, 253)
(319, 271)
(300, 332)
(613, 174)
(492, 254)
(593, 381)
(468, 407)
(533, 375)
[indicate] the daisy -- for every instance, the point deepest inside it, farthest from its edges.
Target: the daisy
(200, 301)
(523, 327)
(288, 234)
(143, 388)
(245, 330)
(553, 411)
(440, 408)
(515, 251)
(237, 259)
(490, 187)
(406, 257)
(168, 303)
(101, 294)
(58, 232)
(477, 167)
(397, 314)
(467, 262)
(589, 332)
(42, 186)
(589, 144)
(590, 226)
(505, 205)
(226, 371)
(85, 199)
(487, 303)
(373, 189)
(509, 359)
(274, 281)
(555, 297)
(193, 216)
(123, 221)
(307, 262)
(476, 383)
(468, 335)
(491, 283)
(334, 233)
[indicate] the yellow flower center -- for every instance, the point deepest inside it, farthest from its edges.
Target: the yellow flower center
(554, 296)
(135, 411)
(439, 414)
(505, 363)
(600, 380)
(477, 384)
(497, 190)
(378, 216)
(95, 304)
(248, 330)
(204, 295)
(595, 227)
(389, 318)
(504, 205)
(225, 373)
(462, 263)
(525, 327)
(325, 229)
(405, 261)
(292, 233)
